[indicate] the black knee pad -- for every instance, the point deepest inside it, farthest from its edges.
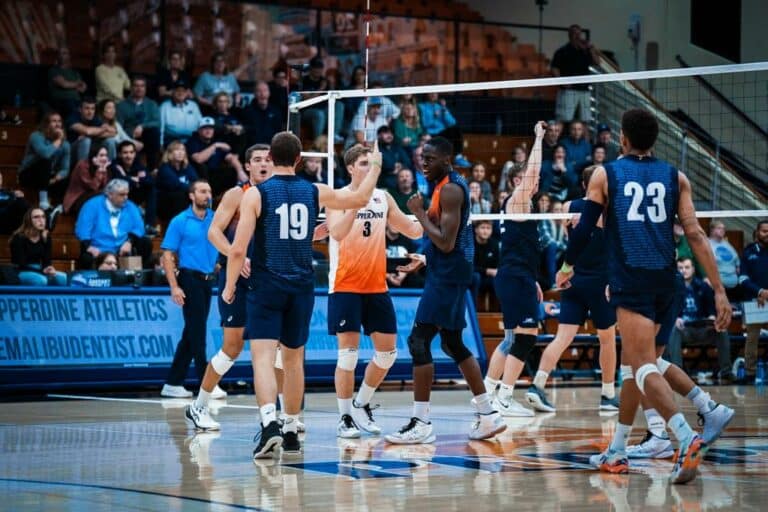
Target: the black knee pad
(522, 345)
(453, 346)
(419, 344)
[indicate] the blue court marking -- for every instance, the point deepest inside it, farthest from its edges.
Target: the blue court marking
(358, 469)
(137, 491)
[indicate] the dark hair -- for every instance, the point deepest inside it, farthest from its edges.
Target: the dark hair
(107, 46)
(256, 147)
(684, 258)
(95, 148)
(355, 152)
(101, 257)
(479, 163)
(125, 144)
(442, 145)
(352, 75)
(481, 222)
(217, 55)
(47, 119)
(88, 99)
(192, 185)
(760, 223)
(640, 127)
(139, 77)
(598, 146)
(285, 149)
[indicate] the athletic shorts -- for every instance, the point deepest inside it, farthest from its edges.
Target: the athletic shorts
(276, 314)
(586, 298)
(651, 305)
(443, 305)
(348, 312)
(670, 316)
(232, 315)
(519, 300)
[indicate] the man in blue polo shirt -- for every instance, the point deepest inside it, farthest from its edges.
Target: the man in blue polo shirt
(191, 286)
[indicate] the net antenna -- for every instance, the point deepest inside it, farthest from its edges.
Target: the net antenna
(367, 48)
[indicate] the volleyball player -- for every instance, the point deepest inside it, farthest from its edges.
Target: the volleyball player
(585, 296)
(641, 195)
(441, 309)
(358, 295)
(278, 214)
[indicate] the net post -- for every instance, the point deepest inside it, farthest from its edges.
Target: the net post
(330, 162)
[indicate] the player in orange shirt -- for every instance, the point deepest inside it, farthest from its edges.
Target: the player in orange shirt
(358, 295)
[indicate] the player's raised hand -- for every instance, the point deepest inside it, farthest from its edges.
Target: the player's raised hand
(723, 310)
(539, 129)
(416, 203)
(375, 156)
(417, 261)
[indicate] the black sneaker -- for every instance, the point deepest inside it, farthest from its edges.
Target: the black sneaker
(270, 442)
(291, 443)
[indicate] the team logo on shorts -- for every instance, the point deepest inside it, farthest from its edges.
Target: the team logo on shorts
(229, 319)
(342, 323)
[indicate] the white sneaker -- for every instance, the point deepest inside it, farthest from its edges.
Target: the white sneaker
(169, 391)
(414, 432)
(487, 425)
(218, 393)
(347, 428)
(363, 416)
(300, 427)
(508, 406)
(200, 418)
(651, 447)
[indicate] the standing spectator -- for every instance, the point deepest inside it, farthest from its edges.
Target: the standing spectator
(140, 117)
(407, 127)
(605, 137)
(89, 177)
(46, 161)
(438, 120)
(141, 183)
(228, 127)
(552, 238)
(478, 175)
(179, 116)
(278, 91)
(174, 177)
(577, 148)
(111, 80)
(404, 189)
(107, 111)
(85, 128)
(486, 261)
(191, 286)
(31, 252)
(556, 178)
(549, 143)
(112, 224)
(13, 206)
(364, 130)
(727, 259)
(261, 118)
(477, 204)
(574, 59)
(754, 284)
(217, 80)
(393, 157)
(171, 74)
(65, 85)
(213, 160)
(695, 322)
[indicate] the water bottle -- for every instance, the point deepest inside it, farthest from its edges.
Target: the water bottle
(760, 377)
(740, 372)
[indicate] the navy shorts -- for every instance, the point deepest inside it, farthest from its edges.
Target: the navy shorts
(374, 312)
(519, 300)
(670, 317)
(276, 314)
(232, 315)
(651, 305)
(443, 305)
(586, 298)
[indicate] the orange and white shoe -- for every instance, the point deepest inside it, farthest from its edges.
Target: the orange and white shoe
(689, 456)
(610, 462)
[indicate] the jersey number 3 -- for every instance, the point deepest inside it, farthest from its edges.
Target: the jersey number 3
(294, 221)
(655, 192)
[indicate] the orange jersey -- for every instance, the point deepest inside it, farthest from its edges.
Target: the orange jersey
(359, 261)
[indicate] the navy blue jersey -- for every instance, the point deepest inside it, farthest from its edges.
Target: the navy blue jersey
(455, 266)
(642, 203)
(520, 254)
(593, 261)
(282, 241)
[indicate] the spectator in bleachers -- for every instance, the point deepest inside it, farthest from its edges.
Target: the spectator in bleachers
(129, 168)
(498, 201)
(85, 128)
(605, 137)
(486, 261)
(111, 80)
(341, 175)
(417, 165)
(312, 170)
(478, 174)
(438, 120)
(261, 118)
(574, 59)
(174, 177)
(13, 206)
(550, 141)
(112, 224)
(477, 204)
(695, 322)
(352, 105)
(105, 262)
(140, 116)
(577, 148)
(727, 259)
(65, 85)
(317, 115)
(599, 154)
(407, 127)
(552, 237)
(278, 90)
(217, 80)
(46, 161)
(179, 116)
(389, 110)
(228, 127)
(107, 111)
(31, 252)
(213, 160)
(362, 130)
(393, 157)
(682, 247)
(403, 189)
(556, 178)
(754, 283)
(88, 178)
(171, 74)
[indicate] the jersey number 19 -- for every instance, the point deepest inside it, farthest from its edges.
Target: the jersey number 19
(294, 221)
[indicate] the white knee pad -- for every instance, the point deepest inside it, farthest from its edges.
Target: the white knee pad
(385, 360)
(347, 359)
(221, 362)
(278, 359)
(642, 373)
(626, 372)
(663, 365)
